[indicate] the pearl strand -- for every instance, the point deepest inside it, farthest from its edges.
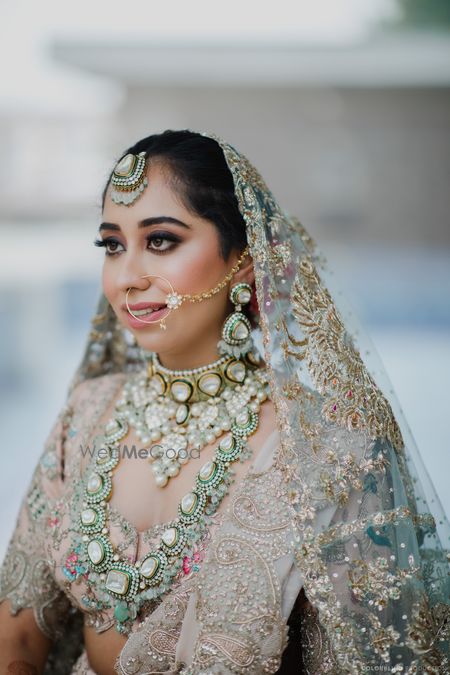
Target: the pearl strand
(181, 427)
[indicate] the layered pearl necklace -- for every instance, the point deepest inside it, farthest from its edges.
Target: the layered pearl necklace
(182, 411)
(177, 409)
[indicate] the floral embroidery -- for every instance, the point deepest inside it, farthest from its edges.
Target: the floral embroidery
(190, 563)
(280, 257)
(73, 567)
(53, 522)
(373, 582)
(382, 638)
(339, 434)
(427, 629)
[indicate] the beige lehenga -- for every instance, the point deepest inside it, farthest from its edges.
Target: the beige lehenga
(256, 580)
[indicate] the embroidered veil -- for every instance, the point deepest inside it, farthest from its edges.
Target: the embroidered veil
(377, 575)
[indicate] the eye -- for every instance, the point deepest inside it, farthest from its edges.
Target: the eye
(106, 243)
(156, 239)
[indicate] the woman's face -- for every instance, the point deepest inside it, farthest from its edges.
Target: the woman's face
(157, 235)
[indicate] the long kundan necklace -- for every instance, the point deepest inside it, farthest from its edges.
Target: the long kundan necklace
(178, 411)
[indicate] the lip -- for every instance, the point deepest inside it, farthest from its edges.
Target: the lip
(143, 305)
(143, 323)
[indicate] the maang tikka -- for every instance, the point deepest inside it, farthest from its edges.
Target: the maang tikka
(128, 180)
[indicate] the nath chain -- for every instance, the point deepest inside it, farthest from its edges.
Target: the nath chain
(209, 294)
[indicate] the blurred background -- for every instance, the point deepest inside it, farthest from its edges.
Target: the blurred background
(344, 107)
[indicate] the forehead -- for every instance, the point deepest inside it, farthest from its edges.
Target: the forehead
(160, 198)
(157, 197)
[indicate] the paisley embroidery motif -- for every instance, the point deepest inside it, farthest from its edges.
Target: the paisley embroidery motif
(236, 592)
(317, 654)
(226, 648)
(245, 600)
(353, 400)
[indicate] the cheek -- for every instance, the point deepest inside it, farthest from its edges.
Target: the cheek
(198, 268)
(107, 282)
(193, 320)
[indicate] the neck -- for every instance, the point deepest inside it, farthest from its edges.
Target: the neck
(217, 361)
(188, 361)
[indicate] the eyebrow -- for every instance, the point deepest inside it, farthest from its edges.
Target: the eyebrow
(158, 220)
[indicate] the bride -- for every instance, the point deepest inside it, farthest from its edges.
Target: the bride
(226, 489)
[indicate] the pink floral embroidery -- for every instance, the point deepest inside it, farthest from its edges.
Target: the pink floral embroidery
(72, 567)
(190, 563)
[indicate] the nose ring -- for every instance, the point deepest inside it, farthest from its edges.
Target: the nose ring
(160, 321)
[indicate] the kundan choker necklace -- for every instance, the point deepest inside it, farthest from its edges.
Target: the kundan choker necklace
(221, 398)
(179, 412)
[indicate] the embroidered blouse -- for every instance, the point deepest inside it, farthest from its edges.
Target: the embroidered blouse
(231, 607)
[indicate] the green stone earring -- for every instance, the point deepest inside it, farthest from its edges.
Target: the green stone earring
(236, 330)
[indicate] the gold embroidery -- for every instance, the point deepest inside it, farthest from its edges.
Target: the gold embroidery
(381, 518)
(427, 627)
(242, 628)
(280, 257)
(355, 466)
(382, 638)
(317, 654)
(353, 399)
(216, 647)
(163, 641)
(373, 581)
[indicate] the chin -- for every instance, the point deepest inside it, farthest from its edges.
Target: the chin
(161, 342)
(151, 343)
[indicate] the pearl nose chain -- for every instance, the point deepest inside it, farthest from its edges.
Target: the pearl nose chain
(161, 321)
(174, 300)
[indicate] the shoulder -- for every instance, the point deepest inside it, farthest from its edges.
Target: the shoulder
(86, 406)
(93, 389)
(90, 400)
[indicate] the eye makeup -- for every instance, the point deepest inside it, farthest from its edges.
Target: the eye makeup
(170, 237)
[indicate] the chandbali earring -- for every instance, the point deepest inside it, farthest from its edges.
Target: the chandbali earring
(236, 330)
(160, 320)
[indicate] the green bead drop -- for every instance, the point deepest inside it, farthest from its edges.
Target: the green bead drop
(121, 612)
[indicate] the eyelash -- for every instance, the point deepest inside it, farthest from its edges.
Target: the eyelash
(164, 236)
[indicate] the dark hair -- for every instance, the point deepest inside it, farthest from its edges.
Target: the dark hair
(199, 172)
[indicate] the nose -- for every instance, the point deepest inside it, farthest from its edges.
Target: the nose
(132, 275)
